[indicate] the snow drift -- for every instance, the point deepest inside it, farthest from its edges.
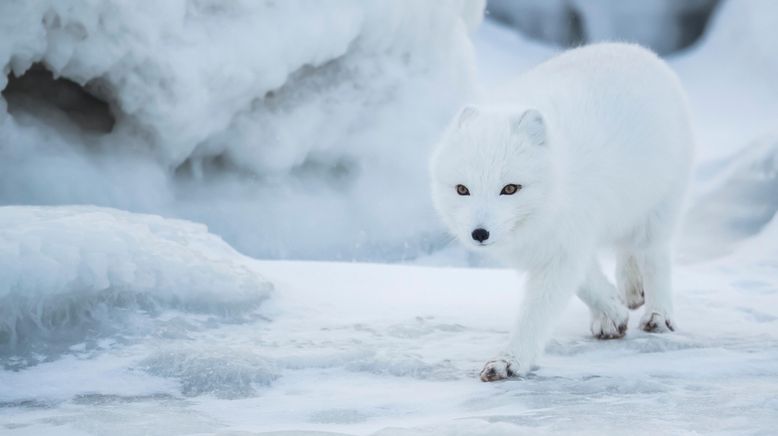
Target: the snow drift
(738, 203)
(72, 275)
(730, 76)
(266, 120)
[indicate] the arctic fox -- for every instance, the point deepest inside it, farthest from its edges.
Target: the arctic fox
(589, 150)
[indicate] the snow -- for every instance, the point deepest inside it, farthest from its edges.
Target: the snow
(241, 115)
(138, 324)
(730, 78)
(665, 26)
(737, 203)
(392, 349)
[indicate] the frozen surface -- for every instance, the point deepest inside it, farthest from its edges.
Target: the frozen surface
(360, 349)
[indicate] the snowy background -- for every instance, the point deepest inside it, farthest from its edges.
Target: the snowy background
(185, 184)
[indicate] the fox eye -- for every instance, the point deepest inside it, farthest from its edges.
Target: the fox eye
(510, 189)
(462, 190)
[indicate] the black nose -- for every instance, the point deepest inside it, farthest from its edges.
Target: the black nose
(480, 235)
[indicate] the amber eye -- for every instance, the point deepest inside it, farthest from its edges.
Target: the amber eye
(510, 189)
(462, 190)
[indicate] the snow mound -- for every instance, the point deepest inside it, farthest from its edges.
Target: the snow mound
(266, 120)
(738, 203)
(762, 248)
(71, 275)
(730, 80)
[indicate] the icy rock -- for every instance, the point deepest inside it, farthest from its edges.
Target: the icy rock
(73, 274)
(553, 20)
(663, 25)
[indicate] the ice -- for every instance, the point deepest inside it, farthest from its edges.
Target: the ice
(75, 274)
(222, 372)
(396, 349)
(266, 120)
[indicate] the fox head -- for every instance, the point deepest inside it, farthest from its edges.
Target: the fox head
(491, 174)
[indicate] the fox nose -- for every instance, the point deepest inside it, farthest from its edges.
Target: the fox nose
(480, 235)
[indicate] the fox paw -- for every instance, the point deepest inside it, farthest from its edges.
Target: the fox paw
(604, 327)
(655, 322)
(499, 369)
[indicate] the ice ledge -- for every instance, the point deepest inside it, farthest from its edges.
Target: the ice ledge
(74, 274)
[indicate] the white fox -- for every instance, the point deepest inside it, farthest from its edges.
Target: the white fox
(589, 150)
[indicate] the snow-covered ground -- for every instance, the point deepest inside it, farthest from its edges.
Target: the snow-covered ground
(101, 335)
(395, 350)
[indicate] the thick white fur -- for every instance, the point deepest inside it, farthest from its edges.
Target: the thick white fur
(599, 137)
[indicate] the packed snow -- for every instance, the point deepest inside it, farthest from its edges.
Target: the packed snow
(116, 322)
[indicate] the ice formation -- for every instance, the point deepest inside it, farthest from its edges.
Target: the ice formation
(74, 275)
(267, 120)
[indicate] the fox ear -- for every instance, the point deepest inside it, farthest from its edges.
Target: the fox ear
(531, 125)
(466, 114)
